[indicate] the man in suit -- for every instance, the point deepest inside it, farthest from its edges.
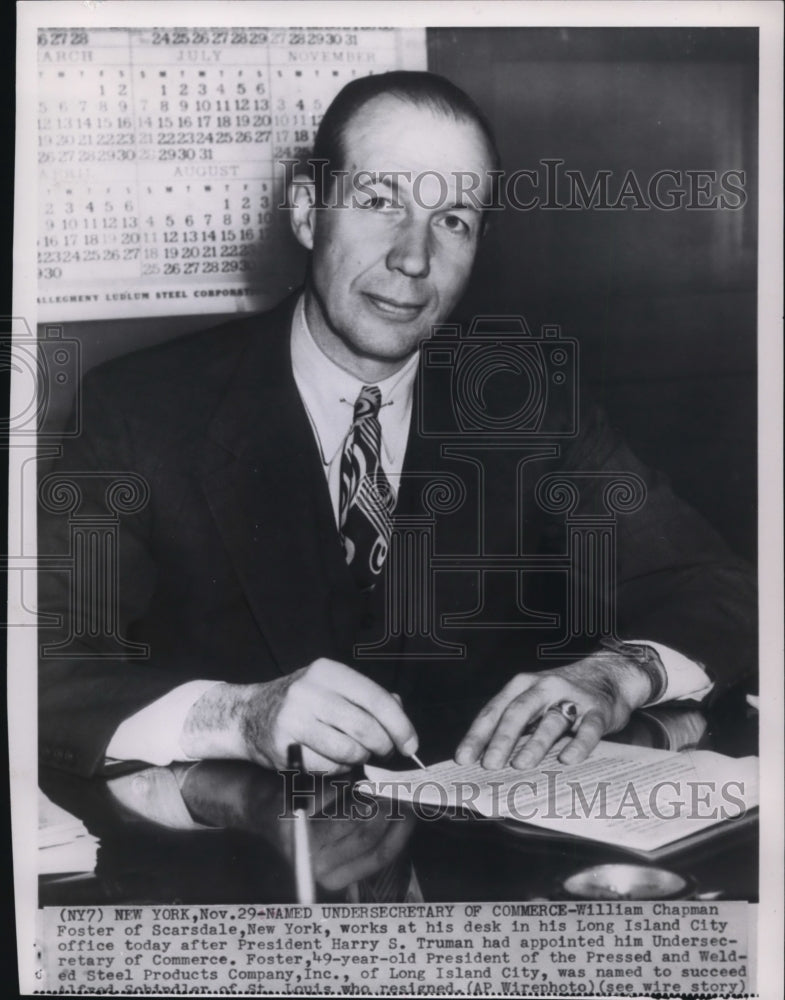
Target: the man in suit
(274, 450)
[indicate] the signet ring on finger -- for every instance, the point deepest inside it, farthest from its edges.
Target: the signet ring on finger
(568, 709)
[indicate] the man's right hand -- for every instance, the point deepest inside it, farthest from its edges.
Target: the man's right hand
(338, 716)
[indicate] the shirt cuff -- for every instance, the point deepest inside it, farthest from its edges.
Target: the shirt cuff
(684, 678)
(153, 733)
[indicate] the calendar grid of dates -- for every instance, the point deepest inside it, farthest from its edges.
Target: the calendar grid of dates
(162, 157)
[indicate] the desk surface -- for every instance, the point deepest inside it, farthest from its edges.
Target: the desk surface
(217, 832)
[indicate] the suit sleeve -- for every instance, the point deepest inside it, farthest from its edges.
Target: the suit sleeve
(96, 578)
(678, 583)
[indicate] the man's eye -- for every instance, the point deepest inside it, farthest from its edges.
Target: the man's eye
(379, 202)
(455, 224)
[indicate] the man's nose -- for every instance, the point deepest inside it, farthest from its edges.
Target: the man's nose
(411, 250)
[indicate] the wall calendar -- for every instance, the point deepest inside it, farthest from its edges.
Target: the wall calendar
(161, 158)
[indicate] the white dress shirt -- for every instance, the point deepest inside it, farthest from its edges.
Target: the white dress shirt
(328, 394)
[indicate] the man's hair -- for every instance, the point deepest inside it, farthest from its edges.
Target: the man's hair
(418, 88)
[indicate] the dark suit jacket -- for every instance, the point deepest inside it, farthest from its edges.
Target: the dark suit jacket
(233, 570)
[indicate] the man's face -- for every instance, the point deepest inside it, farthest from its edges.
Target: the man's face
(393, 250)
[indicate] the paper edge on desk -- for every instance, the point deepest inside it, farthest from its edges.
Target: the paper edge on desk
(420, 788)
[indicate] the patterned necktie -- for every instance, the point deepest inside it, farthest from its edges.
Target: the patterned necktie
(366, 500)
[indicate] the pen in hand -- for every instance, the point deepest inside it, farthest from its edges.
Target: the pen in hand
(412, 756)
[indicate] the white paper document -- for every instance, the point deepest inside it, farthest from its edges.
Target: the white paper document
(633, 797)
(64, 844)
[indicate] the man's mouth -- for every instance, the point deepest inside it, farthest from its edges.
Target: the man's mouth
(395, 308)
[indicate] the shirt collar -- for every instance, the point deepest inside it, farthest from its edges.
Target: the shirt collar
(329, 393)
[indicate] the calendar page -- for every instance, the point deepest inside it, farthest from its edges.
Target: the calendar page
(163, 155)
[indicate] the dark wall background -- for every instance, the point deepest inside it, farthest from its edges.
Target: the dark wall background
(663, 303)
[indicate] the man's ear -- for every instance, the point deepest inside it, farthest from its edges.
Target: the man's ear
(302, 198)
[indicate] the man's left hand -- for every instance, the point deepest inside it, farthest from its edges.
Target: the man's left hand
(605, 687)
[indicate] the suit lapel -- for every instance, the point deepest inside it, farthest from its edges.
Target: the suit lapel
(423, 465)
(263, 481)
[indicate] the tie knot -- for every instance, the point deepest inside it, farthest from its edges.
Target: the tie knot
(368, 402)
